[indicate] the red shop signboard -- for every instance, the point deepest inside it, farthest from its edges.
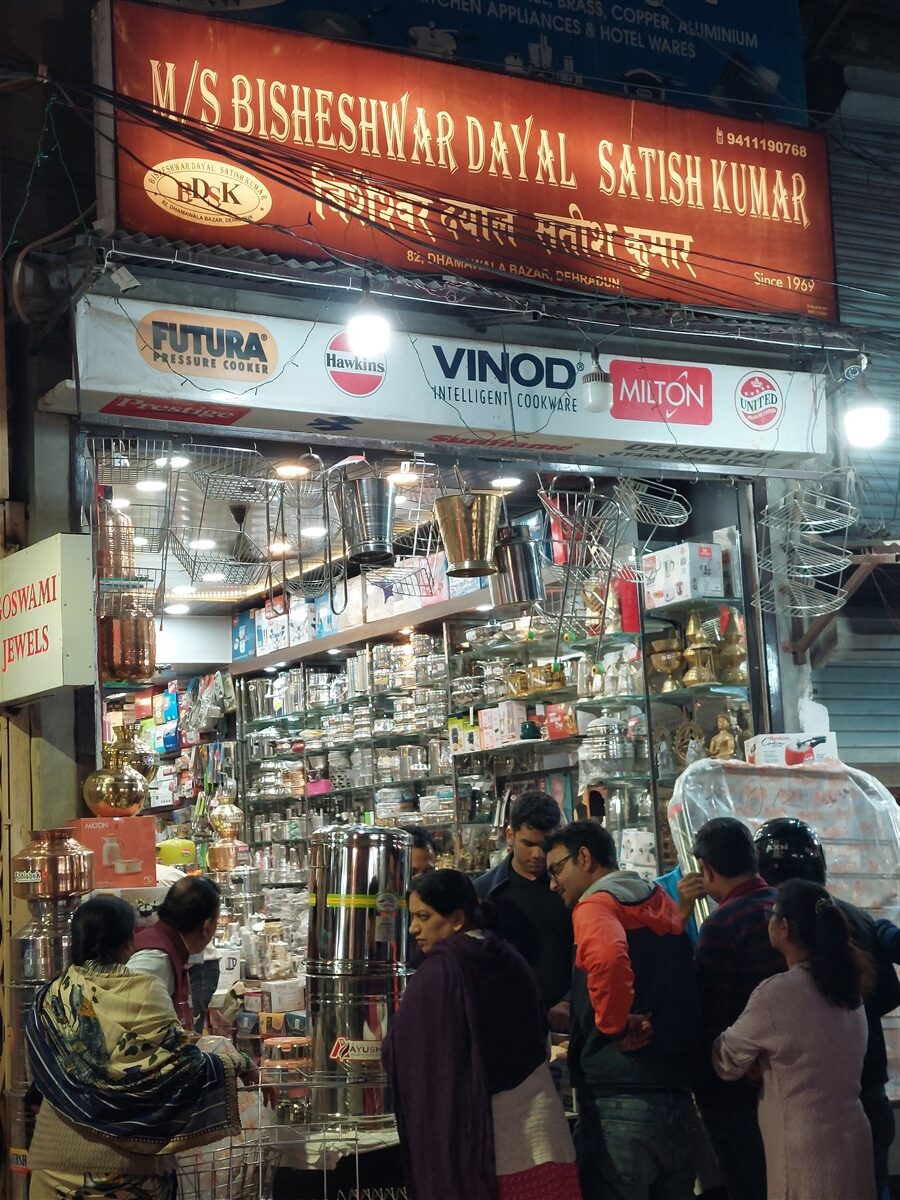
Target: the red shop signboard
(252, 137)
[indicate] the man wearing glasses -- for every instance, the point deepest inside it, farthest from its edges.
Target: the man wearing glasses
(634, 1023)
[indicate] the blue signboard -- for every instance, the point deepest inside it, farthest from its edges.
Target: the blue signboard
(741, 59)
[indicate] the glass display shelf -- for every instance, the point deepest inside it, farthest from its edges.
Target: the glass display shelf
(543, 744)
(281, 756)
(398, 738)
(547, 696)
(273, 798)
(544, 646)
(683, 608)
(603, 703)
(702, 691)
(626, 780)
(653, 627)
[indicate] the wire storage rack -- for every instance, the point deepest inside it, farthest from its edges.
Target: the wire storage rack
(239, 1168)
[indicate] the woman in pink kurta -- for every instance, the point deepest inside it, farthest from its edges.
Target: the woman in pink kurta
(806, 1032)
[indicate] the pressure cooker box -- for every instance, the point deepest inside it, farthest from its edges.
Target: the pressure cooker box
(789, 749)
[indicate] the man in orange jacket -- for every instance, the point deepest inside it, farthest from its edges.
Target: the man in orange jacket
(635, 1023)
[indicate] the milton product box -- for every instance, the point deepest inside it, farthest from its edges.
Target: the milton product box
(689, 571)
(512, 714)
(279, 995)
(124, 849)
(489, 727)
(464, 735)
(789, 749)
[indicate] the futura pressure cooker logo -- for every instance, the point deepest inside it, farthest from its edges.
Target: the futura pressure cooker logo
(214, 347)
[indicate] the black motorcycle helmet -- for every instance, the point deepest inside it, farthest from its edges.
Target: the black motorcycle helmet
(789, 849)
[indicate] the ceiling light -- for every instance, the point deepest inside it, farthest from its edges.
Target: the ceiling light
(151, 485)
(176, 610)
(120, 502)
(484, 607)
(367, 330)
(185, 589)
(506, 482)
(279, 547)
(597, 388)
(334, 651)
(176, 462)
(313, 531)
(202, 544)
(214, 577)
(289, 470)
(269, 670)
(141, 541)
(404, 475)
(866, 426)
(407, 629)
(284, 664)
(401, 501)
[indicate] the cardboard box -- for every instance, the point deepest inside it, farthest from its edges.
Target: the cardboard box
(561, 721)
(689, 571)
(279, 995)
(489, 728)
(124, 849)
(789, 749)
(512, 714)
(464, 735)
(243, 635)
(271, 1024)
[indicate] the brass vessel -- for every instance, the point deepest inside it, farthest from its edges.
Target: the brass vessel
(53, 865)
(127, 639)
(131, 749)
(115, 790)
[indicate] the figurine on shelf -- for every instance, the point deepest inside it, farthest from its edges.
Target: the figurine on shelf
(695, 751)
(723, 744)
(665, 760)
(699, 653)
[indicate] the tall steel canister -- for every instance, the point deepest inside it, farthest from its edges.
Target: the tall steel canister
(356, 965)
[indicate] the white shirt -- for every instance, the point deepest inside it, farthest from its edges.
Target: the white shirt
(156, 963)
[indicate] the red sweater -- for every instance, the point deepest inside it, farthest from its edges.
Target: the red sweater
(160, 936)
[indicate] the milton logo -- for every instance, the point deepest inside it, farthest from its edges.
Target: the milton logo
(213, 347)
(668, 393)
(207, 192)
(354, 374)
(759, 401)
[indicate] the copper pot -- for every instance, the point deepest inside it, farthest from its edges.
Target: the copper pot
(51, 866)
(115, 791)
(127, 641)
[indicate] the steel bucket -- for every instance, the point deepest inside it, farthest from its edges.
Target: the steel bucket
(368, 508)
(518, 579)
(468, 524)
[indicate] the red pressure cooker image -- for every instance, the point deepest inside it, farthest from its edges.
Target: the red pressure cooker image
(803, 752)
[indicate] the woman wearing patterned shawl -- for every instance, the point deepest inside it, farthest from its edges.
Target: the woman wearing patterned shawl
(123, 1086)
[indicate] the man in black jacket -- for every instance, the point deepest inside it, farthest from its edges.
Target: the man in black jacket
(790, 849)
(526, 912)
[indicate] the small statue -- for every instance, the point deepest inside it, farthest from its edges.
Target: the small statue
(665, 760)
(694, 752)
(723, 744)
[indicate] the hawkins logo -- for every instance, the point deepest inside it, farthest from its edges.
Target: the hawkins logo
(207, 192)
(759, 401)
(354, 374)
(213, 347)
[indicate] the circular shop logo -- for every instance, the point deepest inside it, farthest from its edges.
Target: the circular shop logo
(759, 401)
(207, 192)
(354, 374)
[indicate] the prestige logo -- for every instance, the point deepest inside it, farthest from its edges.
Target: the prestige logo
(207, 192)
(354, 374)
(213, 347)
(759, 401)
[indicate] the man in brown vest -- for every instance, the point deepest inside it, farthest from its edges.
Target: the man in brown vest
(185, 926)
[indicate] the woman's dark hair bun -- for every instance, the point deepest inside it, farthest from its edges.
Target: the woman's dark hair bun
(102, 929)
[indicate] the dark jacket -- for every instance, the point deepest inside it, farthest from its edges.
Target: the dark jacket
(552, 964)
(885, 995)
(631, 957)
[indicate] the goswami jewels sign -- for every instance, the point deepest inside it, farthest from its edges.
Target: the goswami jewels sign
(283, 142)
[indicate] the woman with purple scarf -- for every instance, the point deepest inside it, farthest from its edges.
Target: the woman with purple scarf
(466, 1055)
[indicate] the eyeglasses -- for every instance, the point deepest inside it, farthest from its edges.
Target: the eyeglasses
(554, 871)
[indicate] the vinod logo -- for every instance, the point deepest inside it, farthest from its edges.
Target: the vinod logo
(213, 347)
(207, 191)
(759, 401)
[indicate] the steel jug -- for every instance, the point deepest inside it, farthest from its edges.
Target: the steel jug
(518, 579)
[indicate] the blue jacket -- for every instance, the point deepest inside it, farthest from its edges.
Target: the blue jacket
(494, 880)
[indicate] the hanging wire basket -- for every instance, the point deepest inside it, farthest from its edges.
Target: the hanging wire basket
(128, 461)
(233, 475)
(576, 523)
(810, 510)
(651, 503)
(236, 560)
(795, 598)
(807, 559)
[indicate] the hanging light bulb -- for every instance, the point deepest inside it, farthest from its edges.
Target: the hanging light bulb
(367, 330)
(597, 394)
(867, 423)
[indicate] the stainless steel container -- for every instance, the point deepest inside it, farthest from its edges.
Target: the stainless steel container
(258, 693)
(357, 888)
(518, 579)
(367, 506)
